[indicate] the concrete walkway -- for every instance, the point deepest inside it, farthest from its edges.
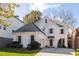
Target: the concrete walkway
(55, 52)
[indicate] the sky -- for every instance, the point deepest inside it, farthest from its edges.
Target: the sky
(47, 9)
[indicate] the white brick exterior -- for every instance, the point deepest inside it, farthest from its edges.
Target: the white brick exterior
(43, 39)
(52, 23)
(26, 38)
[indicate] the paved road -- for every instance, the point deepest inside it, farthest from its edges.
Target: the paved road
(55, 52)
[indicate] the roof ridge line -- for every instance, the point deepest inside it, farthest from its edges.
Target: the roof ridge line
(39, 28)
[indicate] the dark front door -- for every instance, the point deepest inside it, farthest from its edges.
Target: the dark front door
(51, 42)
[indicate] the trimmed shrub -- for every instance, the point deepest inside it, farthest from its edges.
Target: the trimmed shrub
(29, 47)
(14, 45)
(33, 45)
(63, 46)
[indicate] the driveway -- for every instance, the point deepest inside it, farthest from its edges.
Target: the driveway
(55, 52)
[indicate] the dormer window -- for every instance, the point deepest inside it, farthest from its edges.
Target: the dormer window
(45, 20)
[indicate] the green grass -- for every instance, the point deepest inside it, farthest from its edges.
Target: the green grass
(17, 52)
(77, 52)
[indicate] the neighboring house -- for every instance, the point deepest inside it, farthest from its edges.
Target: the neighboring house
(14, 21)
(75, 39)
(56, 33)
(6, 35)
(15, 24)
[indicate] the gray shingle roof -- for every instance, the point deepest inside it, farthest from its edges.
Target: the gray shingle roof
(29, 28)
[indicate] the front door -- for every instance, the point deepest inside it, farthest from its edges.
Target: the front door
(51, 43)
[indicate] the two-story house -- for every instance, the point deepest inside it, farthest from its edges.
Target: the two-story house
(48, 32)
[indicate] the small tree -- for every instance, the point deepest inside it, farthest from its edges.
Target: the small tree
(14, 44)
(8, 12)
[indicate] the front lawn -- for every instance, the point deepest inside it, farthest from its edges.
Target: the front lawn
(17, 52)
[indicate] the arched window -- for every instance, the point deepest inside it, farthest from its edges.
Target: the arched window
(32, 37)
(62, 31)
(19, 39)
(50, 30)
